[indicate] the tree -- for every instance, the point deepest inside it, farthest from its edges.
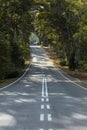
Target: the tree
(15, 27)
(62, 24)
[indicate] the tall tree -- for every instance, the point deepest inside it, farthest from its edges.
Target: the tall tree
(15, 27)
(62, 24)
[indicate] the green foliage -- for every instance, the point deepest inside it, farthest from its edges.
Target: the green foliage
(61, 24)
(64, 22)
(85, 67)
(15, 27)
(14, 73)
(63, 63)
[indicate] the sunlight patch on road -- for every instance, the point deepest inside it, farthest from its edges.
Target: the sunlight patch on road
(49, 63)
(25, 100)
(6, 119)
(79, 116)
(34, 59)
(9, 93)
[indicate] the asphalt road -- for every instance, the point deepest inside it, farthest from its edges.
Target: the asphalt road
(46, 98)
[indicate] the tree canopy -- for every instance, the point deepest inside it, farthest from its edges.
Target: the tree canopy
(63, 25)
(15, 27)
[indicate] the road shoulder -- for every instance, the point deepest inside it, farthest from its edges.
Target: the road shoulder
(76, 74)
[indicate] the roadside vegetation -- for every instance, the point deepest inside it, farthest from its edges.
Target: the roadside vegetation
(80, 74)
(15, 28)
(62, 26)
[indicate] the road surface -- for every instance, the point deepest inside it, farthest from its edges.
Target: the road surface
(46, 98)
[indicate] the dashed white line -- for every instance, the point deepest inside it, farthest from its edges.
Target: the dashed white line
(49, 117)
(42, 99)
(42, 106)
(43, 129)
(48, 106)
(47, 99)
(41, 117)
(43, 88)
(46, 89)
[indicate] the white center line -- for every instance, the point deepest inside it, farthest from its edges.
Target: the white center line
(42, 106)
(46, 89)
(42, 99)
(43, 129)
(48, 106)
(41, 117)
(43, 88)
(47, 99)
(49, 117)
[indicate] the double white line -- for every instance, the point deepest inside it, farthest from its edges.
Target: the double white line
(44, 87)
(42, 117)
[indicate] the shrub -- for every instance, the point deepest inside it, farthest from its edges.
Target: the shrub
(81, 63)
(13, 74)
(84, 67)
(63, 63)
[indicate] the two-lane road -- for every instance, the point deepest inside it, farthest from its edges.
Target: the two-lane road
(46, 98)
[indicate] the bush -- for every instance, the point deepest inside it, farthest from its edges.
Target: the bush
(84, 67)
(82, 62)
(63, 63)
(13, 74)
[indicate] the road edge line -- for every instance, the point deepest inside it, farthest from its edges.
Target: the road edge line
(17, 79)
(71, 80)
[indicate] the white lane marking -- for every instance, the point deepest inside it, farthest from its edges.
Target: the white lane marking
(42, 99)
(19, 79)
(47, 99)
(41, 117)
(42, 106)
(69, 80)
(43, 88)
(48, 106)
(43, 129)
(46, 88)
(49, 117)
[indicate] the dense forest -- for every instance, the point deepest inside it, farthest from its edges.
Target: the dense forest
(60, 24)
(15, 28)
